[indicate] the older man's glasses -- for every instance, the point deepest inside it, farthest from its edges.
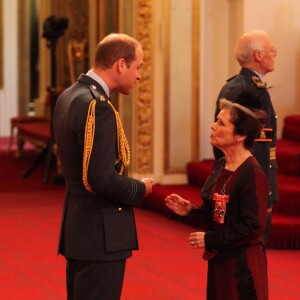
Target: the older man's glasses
(273, 50)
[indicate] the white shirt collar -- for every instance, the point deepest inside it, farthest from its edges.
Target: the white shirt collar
(97, 78)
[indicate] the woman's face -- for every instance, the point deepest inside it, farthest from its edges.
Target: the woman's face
(222, 133)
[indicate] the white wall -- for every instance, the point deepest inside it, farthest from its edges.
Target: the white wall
(180, 83)
(214, 64)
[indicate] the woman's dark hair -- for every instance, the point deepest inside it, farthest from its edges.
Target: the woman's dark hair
(114, 47)
(247, 122)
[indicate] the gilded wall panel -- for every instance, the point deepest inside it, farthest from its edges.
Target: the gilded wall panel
(144, 105)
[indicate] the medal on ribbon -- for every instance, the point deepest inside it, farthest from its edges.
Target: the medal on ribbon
(220, 207)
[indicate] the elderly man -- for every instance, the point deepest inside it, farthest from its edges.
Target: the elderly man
(255, 53)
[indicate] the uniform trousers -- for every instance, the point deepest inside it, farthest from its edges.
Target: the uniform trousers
(94, 280)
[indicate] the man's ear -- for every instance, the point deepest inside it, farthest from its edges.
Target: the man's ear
(121, 65)
(258, 55)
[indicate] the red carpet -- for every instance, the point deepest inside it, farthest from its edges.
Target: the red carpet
(165, 267)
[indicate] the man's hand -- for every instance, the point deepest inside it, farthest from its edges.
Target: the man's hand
(148, 183)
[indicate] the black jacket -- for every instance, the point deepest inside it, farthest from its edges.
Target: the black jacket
(96, 225)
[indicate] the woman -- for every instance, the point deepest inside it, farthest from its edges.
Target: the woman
(234, 209)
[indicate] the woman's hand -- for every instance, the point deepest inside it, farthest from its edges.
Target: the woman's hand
(178, 205)
(196, 239)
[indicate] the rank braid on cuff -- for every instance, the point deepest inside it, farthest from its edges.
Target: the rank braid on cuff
(88, 143)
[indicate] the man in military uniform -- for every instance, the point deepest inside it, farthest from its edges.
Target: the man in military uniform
(255, 54)
(98, 231)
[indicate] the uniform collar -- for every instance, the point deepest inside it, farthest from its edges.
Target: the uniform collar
(261, 77)
(97, 78)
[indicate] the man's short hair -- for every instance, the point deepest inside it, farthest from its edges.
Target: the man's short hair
(114, 47)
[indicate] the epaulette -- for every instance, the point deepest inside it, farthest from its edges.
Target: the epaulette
(258, 82)
(96, 94)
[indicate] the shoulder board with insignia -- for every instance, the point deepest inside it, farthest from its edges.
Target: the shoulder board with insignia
(258, 82)
(96, 94)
